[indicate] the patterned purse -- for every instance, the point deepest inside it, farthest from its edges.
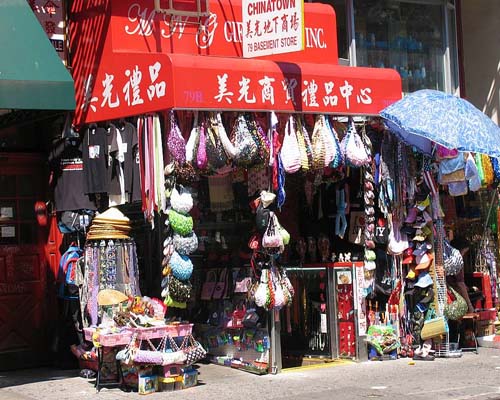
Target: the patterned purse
(193, 350)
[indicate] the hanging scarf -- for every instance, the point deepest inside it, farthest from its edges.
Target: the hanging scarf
(281, 182)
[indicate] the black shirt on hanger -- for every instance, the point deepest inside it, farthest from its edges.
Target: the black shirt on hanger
(67, 167)
(95, 160)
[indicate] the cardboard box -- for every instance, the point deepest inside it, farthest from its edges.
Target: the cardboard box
(148, 384)
(189, 378)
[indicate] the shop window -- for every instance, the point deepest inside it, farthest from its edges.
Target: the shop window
(341, 14)
(406, 36)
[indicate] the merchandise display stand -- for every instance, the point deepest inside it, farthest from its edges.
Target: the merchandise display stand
(122, 339)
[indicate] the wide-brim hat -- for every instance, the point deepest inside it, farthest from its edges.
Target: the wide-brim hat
(109, 297)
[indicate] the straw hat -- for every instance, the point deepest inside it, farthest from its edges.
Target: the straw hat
(109, 297)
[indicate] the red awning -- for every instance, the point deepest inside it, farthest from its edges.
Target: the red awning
(134, 83)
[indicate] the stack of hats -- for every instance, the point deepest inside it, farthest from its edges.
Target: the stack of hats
(419, 256)
(111, 224)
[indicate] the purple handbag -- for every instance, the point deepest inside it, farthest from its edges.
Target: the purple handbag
(201, 153)
(175, 142)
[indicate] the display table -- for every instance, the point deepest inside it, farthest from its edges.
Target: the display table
(120, 339)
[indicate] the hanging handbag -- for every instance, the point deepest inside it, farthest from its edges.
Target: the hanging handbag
(185, 244)
(318, 144)
(237, 317)
(175, 142)
(193, 139)
(337, 157)
(260, 138)
(262, 293)
(208, 287)
(457, 308)
(353, 148)
(453, 260)
(433, 326)
(280, 299)
(262, 216)
(179, 291)
(201, 152)
(181, 201)
(220, 286)
(305, 150)
(181, 265)
(229, 148)
(489, 176)
(472, 174)
(242, 282)
(328, 141)
(216, 155)
(290, 152)
(287, 286)
(397, 241)
(180, 223)
(171, 355)
(245, 145)
(193, 350)
(272, 237)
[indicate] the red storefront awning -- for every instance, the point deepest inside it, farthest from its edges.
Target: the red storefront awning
(136, 68)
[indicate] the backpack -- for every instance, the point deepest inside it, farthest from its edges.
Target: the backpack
(67, 289)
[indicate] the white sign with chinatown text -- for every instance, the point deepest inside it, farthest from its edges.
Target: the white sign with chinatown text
(272, 27)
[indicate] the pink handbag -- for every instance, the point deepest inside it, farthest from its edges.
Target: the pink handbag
(272, 237)
(353, 147)
(290, 152)
(208, 287)
(201, 153)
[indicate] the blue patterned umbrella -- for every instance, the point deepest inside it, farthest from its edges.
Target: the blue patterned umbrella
(429, 116)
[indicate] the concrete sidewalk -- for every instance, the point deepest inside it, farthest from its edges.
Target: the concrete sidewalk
(214, 381)
(470, 377)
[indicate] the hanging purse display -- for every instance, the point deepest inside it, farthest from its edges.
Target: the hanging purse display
(216, 155)
(175, 142)
(220, 286)
(337, 158)
(245, 145)
(433, 326)
(262, 293)
(272, 237)
(208, 287)
(180, 223)
(193, 139)
(193, 350)
(290, 152)
(353, 147)
(179, 290)
(181, 200)
(304, 146)
(230, 149)
(453, 260)
(185, 244)
(181, 265)
(201, 152)
(457, 307)
(318, 144)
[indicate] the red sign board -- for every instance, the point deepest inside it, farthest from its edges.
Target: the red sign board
(135, 67)
(135, 27)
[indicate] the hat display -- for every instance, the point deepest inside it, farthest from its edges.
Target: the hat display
(424, 280)
(424, 261)
(422, 234)
(408, 256)
(109, 297)
(422, 248)
(411, 274)
(111, 224)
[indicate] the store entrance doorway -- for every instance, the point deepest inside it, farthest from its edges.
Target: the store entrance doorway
(23, 266)
(305, 326)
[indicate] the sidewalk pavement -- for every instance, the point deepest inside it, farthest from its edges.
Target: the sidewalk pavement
(214, 381)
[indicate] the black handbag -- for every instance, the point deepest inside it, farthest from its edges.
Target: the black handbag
(179, 291)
